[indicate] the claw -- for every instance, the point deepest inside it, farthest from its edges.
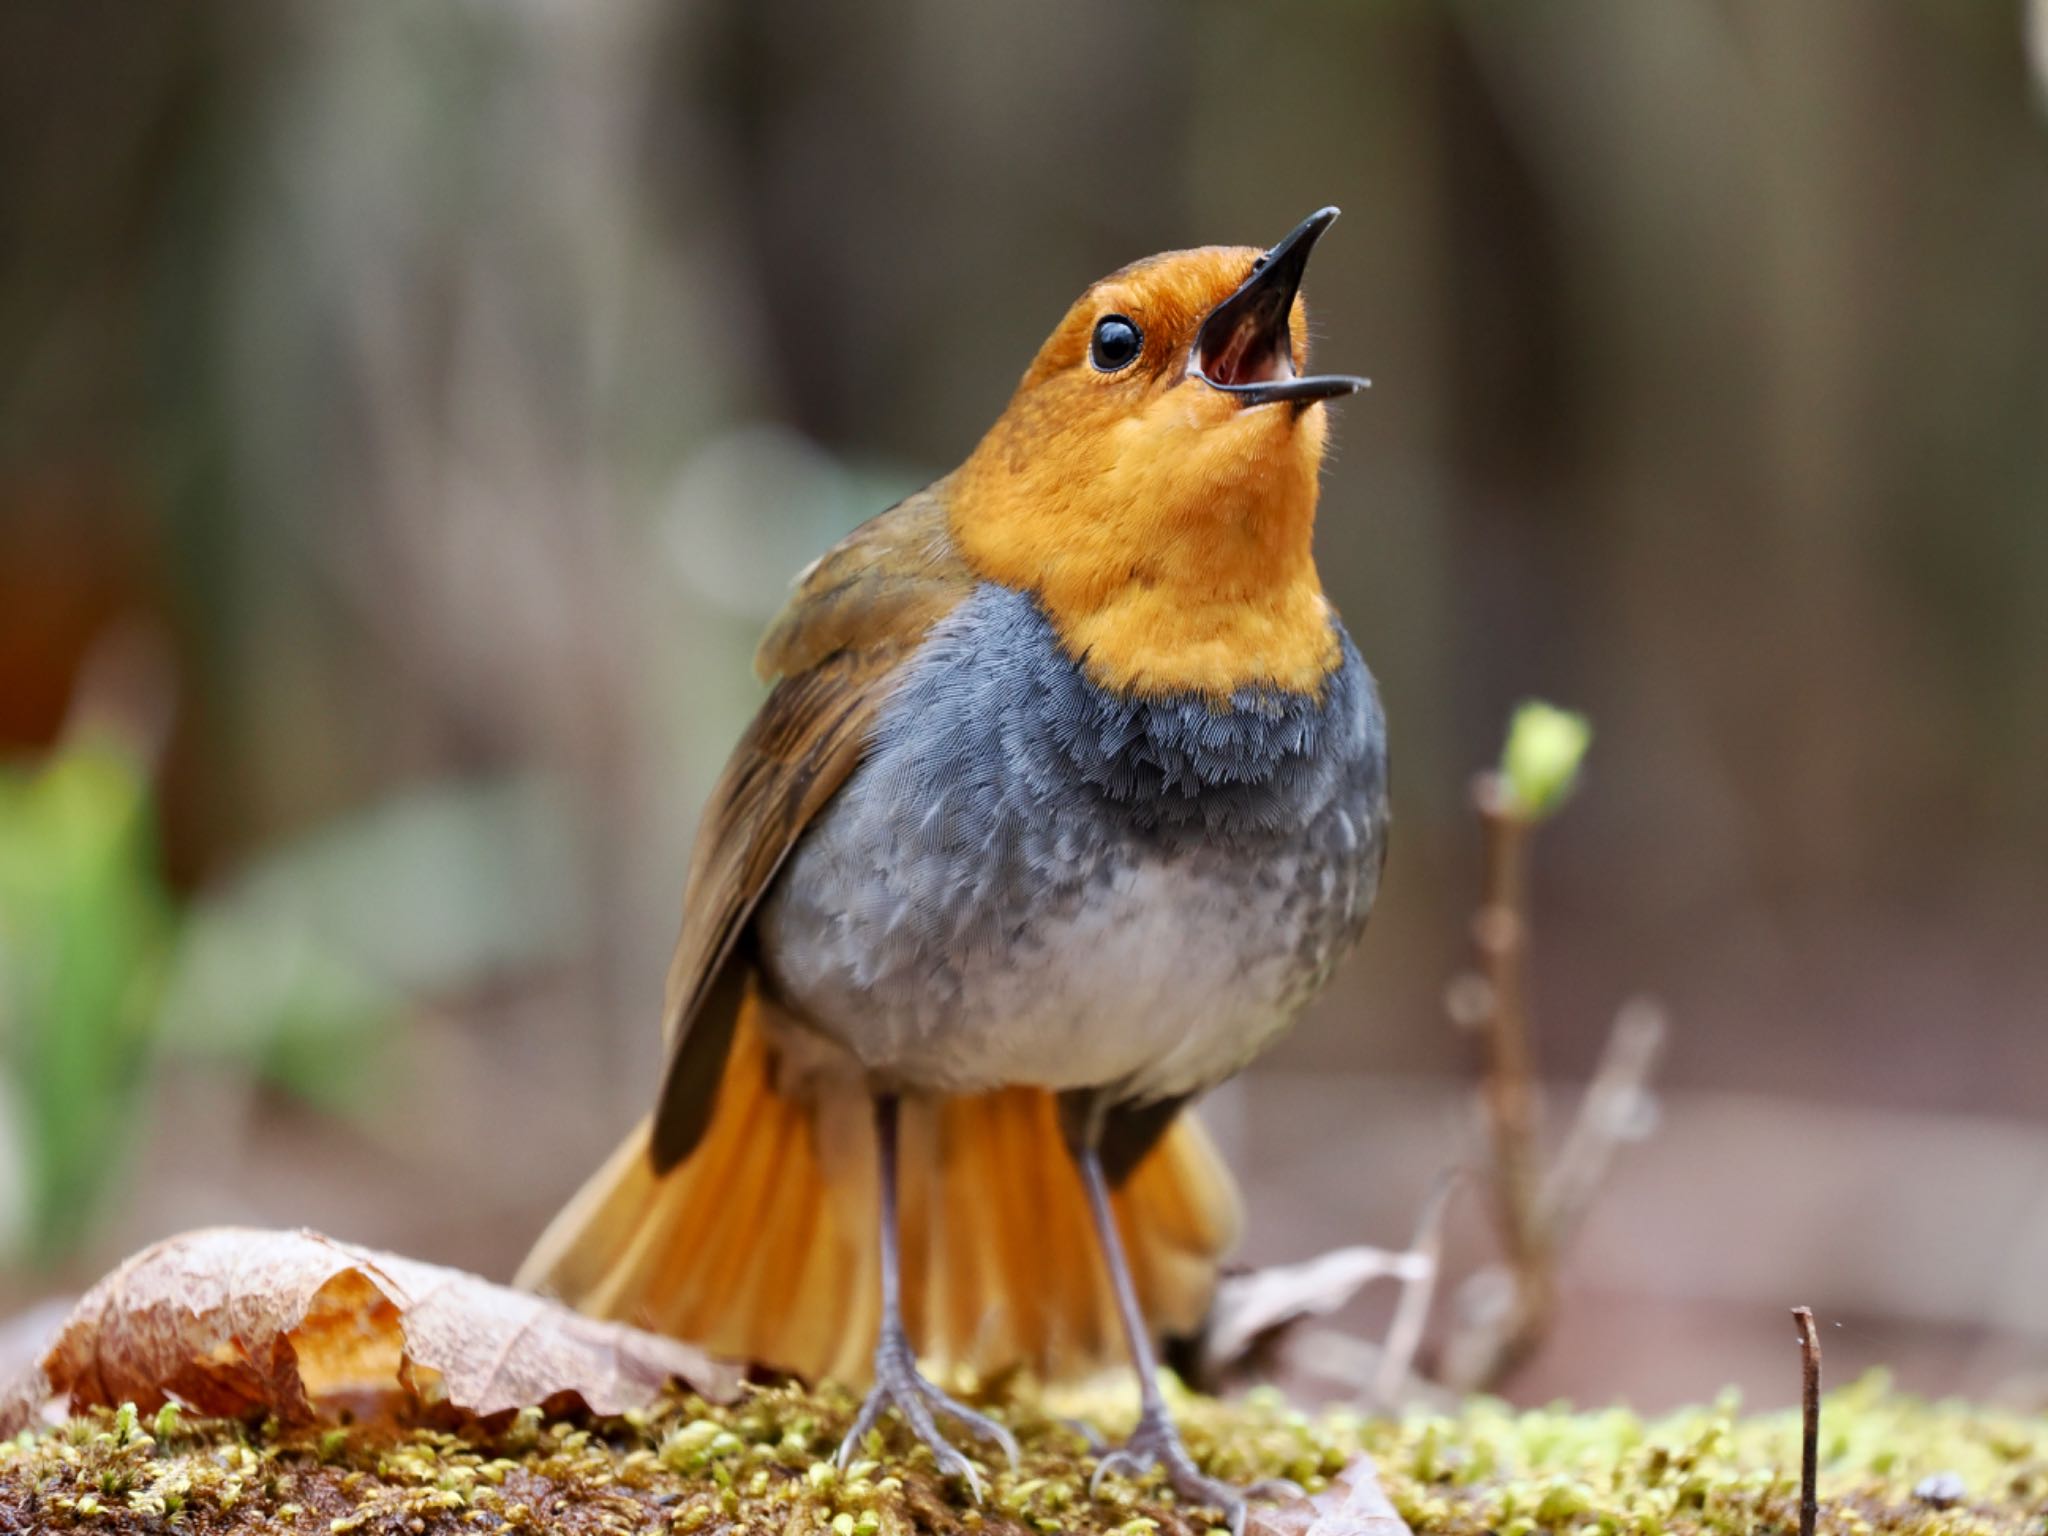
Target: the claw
(1156, 1443)
(1089, 1435)
(899, 1385)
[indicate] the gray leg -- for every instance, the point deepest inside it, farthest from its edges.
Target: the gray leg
(1155, 1442)
(897, 1382)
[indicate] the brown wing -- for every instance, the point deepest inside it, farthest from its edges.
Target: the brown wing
(855, 617)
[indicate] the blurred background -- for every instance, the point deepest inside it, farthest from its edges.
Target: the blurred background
(410, 413)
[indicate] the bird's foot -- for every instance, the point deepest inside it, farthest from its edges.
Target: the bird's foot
(898, 1385)
(1156, 1443)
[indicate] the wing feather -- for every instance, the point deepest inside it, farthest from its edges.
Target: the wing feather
(855, 617)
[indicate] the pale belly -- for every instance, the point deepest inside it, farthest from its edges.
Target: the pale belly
(1155, 976)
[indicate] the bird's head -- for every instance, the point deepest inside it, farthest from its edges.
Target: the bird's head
(1153, 480)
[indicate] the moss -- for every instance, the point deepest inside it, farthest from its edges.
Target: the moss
(764, 1465)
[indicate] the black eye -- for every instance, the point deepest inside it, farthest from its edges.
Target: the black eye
(1117, 343)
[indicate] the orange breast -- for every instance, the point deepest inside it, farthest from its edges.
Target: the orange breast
(1164, 565)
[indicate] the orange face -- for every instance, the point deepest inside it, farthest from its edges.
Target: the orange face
(1153, 480)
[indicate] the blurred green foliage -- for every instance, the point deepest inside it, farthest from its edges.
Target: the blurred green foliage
(86, 932)
(298, 971)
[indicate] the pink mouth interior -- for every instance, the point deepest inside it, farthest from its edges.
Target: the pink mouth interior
(1248, 355)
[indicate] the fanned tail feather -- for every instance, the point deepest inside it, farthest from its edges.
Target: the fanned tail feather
(762, 1247)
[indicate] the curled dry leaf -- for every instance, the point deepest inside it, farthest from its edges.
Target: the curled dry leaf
(1250, 1306)
(1353, 1505)
(232, 1321)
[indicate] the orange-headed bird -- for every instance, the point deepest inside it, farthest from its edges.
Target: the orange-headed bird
(1069, 794)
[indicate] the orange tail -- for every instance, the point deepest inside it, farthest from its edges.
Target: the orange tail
(762, 1245)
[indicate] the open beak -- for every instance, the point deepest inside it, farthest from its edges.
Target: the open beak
(1244, 348)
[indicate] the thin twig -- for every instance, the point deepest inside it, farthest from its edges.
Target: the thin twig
(1411, 1312)
(1617, 1108)
(1500, 933)
(1506, 1309)
(1809, 1405)
(1506, 1313)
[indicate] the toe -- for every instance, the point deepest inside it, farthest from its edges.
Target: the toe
(980, 1424)
(1117, 1464)
(871, 1411)
(898, 1385)
(1155, 1443)
(953, 1464)
(910, 1383)
(1192, 1488)
(1090, 1436)
(995, 1434)
(1276, 1490)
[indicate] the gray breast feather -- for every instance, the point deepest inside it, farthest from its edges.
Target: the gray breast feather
(1032, 880)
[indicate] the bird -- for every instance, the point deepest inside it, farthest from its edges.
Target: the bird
(1068, 794)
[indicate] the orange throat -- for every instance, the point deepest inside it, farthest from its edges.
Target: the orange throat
(1209, 631)
(1177, 563)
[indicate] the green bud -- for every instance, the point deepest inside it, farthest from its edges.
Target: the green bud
(1540, 765)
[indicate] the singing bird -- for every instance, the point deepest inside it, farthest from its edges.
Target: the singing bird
(1069, 793)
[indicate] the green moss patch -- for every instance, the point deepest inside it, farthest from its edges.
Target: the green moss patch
(764, 1464)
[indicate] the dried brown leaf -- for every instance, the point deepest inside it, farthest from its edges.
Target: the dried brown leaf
(233, 1321)
(1353, 1505)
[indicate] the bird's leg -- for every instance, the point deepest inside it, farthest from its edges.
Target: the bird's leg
(897, 1382)
(1155, 1442)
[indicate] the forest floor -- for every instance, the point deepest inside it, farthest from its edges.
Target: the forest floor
(764, 1463)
